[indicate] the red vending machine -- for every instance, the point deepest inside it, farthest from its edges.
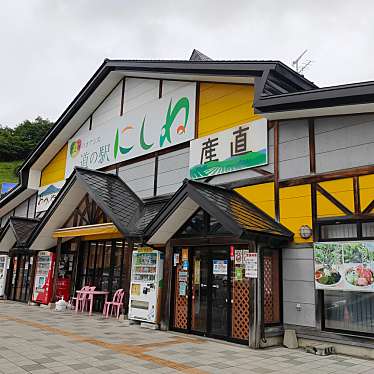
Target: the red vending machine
(45, 264)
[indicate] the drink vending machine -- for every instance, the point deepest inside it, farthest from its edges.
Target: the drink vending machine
(43, 277)
(146, 285)
(4, 261)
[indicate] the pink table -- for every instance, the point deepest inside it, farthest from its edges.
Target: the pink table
(91, 295)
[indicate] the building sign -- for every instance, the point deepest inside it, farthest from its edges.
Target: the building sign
(344, 266)
(46, 195)
(238, 148)
(157, 125)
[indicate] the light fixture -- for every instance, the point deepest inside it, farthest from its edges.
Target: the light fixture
(305, 232)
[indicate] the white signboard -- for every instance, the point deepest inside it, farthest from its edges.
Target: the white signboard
(251, 265)
(46, 195)
(157, 125)
(237, 148)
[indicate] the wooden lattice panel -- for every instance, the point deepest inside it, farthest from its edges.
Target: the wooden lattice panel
(180, 305)
(268, 289)
(240, 309)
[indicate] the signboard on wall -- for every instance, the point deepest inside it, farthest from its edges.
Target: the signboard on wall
(237, 148)
(344, 266)
(46, 195)
(159, 124)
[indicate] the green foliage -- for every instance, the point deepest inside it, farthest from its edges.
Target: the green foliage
(8, 171)
(17, 143)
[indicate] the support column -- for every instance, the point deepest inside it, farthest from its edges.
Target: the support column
(56, 267)
(166, 292)
(127, 276)
(256, 303)
(32, 277)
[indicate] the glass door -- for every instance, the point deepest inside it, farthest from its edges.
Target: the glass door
(220, 293)
(200, 291)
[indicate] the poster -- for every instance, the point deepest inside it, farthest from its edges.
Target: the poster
(239, 273)
(245, 255)
(158, 124)
(182, 288)
(238, 257)
(185, 265)
(135, 289)
(344, 266)
(182, 276)
(196, 271)
(220, 267)
(251, 266)
(184, 254)
(176, 259)
(241, 147)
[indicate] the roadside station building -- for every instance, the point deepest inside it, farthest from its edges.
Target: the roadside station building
(256, 185)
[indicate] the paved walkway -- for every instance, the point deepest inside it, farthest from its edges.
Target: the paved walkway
(37, 340)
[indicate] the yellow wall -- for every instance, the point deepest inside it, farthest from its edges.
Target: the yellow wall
(341, 190)
(222, 106)
(55, 170)
(366, 190)
(261, 195)
(296, 209)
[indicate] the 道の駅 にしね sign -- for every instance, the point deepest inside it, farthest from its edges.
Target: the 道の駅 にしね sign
(159, 124)
(237, 148)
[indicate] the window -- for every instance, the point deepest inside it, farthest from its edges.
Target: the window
(349, 311)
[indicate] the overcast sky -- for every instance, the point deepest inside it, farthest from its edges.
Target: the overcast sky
(50, 48)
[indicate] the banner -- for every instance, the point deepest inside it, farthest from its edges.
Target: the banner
(344, 266)
(160, 124)
(237, 148)
(46, 195)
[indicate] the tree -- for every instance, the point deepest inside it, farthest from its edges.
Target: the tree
(18, 143)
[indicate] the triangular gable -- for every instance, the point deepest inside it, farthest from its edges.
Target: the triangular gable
(119, 203)
(16, 232)
(237, 215)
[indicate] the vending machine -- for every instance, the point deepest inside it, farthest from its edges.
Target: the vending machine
(4, 260)
(146, 285)
(43, 277)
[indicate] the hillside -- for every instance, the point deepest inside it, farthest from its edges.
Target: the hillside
(8, 171)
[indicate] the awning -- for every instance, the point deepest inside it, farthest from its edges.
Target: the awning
(236, 214)
(99, 230)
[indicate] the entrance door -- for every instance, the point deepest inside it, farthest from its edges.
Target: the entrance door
(210, 307)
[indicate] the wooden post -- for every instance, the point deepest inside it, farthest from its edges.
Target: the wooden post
(55, 272)
(166, 292)
(127, 277)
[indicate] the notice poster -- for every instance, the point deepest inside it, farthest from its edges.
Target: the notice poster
(344, 266)
(245, 255)
(251, 266)
(238, 256)
(182, 288)
(239, 273)
(176, 259)
(182, 276)
(184, 254)
(196, 276)
(220, 267)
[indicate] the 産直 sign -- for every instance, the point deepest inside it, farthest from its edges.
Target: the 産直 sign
(159, 124)
(237, 148)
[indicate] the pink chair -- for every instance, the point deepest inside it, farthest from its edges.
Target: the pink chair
(88, 297)
(116, 304)
(79, 298)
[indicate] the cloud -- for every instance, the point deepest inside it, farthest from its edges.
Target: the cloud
(50, 48)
